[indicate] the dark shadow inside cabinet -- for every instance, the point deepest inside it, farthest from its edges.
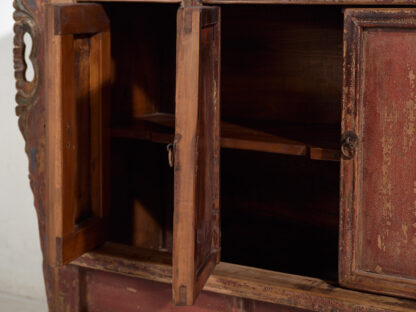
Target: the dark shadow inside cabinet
(281, 89)
(280, 213)
(143, 92)
(282, 76)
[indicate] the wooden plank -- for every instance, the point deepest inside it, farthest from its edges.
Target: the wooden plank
(187, 89)
(54, 138)
(158, 128)
(78, 134)
(235, 280)
(320, 153)
(239, 137)
(140, 262)
(80, 19)
(196, 225)
(99, 96)
(378, 193)
(66, 216)
(84, 237)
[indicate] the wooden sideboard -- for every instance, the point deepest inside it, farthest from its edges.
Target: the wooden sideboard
(225, 155)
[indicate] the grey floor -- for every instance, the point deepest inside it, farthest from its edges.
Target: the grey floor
(10, 303)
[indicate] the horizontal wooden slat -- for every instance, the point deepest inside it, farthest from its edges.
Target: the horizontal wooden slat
(132, 261)
(80, 19)
(84, 237)
(158, 128)
(246, 282)
(280, 146)
(324, 154)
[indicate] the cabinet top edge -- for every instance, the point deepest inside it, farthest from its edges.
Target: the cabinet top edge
(286, 2)
(318, 2)
(130, 1)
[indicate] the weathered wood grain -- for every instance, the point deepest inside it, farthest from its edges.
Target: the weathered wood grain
(234, 280)
(196, 224)
(105, 289)
(80, 19)
(65, 286)
(30, 108)
(159, 128)
(78, 129)
(378, 195)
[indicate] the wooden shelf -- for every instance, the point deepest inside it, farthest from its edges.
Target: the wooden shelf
(286, 139)
(158, 128)
(241, 281)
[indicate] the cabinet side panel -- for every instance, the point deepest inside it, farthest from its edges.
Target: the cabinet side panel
(30, 17)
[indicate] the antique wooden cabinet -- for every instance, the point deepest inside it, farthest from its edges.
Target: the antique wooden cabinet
(225, 155)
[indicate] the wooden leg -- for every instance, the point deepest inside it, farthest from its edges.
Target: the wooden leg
(65, 289)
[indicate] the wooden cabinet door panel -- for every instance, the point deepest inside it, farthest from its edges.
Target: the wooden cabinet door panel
(196, 244)
(79, 45)
(378, 169)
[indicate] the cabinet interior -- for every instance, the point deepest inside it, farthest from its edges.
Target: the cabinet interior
(281, 88)
(282, 75)
(143, 91)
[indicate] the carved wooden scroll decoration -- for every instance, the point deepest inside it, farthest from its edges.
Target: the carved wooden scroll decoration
(27, 91)
(29, 106)
(30, 110)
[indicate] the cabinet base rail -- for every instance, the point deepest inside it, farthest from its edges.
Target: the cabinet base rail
(241, 281)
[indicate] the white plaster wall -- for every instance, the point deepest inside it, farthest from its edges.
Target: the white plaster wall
(20, 256)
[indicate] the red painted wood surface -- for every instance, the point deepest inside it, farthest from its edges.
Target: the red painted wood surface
(107, 292)
(378, 193)
(269, 307)
(388, 178)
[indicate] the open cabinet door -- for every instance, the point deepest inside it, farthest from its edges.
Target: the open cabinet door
(378, 169)
(196, 240)
(79, 77)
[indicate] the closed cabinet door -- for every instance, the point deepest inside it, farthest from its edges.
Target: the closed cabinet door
(78, 140)
(378, 166)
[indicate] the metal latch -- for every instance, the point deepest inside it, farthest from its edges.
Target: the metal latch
(349, 144)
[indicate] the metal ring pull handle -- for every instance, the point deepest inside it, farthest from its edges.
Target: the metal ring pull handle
(170, 150)
(349, 145)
